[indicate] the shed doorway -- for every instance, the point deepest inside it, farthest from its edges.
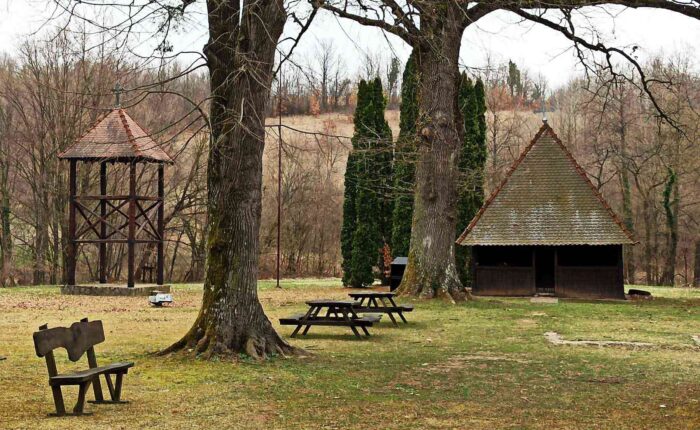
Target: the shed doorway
(544, 270)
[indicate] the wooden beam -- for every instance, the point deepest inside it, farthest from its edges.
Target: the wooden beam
(132, 225)
(97, 241)
(72, 245)
(103, 231)
(161, 225)
(100, 219)
(106, 197)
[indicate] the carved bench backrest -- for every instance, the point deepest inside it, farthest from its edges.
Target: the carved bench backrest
(76, 339)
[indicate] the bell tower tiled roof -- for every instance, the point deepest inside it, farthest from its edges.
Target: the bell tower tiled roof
(116, 137)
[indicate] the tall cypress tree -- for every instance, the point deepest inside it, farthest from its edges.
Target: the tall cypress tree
(472, 159)
(383, 156)
(351, 173)
(382, 172)
(366, 219)
(404, 163)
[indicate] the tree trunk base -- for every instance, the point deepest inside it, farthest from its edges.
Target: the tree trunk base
(261, 344)
(446, 287)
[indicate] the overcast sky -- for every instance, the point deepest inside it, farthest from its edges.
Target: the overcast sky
(498, 36)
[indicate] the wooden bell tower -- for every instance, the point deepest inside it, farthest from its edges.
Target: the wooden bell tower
(104, 219)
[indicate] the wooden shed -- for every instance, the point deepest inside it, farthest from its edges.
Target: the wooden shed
(546, 230)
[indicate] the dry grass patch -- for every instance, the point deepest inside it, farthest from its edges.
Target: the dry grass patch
(481, 365)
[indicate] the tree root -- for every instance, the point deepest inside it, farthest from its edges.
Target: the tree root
(449, 288)
(205, 344)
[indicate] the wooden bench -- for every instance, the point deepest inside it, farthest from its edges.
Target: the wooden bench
(78, 339)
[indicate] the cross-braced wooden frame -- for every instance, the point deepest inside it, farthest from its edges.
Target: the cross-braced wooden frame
(130, 219)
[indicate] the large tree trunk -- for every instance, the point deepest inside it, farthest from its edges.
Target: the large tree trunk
(431, 270)
(240, 57)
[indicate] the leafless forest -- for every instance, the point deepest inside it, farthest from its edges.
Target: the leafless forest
(51, 92)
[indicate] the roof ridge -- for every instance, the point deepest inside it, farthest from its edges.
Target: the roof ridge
(157, 145)
(129, 133)
(595, 190)
(498, 189)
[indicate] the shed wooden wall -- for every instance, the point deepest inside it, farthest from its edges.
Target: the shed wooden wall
(504, 281)
(582, 281)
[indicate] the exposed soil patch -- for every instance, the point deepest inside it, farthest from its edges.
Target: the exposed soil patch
(460, 361)
(557, 339)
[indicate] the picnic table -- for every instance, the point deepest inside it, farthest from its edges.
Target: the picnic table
(337, 313)
(380, 302)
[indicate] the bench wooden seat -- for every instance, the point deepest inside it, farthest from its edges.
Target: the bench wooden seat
(79, 339)
(385, 309)
(89, 374)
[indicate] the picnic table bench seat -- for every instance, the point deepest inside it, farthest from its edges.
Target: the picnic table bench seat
(366, 320)
(385, 309)
(79, 339)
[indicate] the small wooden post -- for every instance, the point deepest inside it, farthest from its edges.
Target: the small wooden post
(72, 245)
(556, 271)
(473, 267)
(620, 271)
(161, 226)
(103, 224)
(132, 224)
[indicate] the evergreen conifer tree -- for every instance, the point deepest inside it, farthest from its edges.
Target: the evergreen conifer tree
(404, 162)
(366, 219)
(350, 194)
(382, 172)
(471, 166)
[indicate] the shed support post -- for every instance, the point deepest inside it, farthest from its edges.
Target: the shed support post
(161, 225)
(72, 245)
(103, 223)
(132, 224)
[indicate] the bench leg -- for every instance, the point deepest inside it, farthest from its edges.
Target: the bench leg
(97, 389)
(58, 401)
(393, 320)
(365, 330)
(112, 394)
(354, 330)
(402, 317)
(110, 386)
(296, 330)
(118, 387)
(79, 405)
(306, 330)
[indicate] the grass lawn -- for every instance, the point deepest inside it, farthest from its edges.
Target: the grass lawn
(480, 365)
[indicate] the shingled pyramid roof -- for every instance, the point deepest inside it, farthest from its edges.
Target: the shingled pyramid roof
(116, 137)
(546, 199)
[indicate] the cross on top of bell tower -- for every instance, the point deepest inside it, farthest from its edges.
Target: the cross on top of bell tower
(118, 89)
